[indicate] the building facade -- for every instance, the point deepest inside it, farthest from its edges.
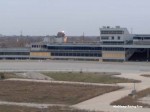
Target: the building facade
(116, 45)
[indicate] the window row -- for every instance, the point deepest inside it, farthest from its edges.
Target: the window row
(73, 48)
(38, 46)
(14, 53)
(113, 60)
(113, 43)
(113, 49)
(112, 32)
(142, 38)
(112, 38)
(78, 54)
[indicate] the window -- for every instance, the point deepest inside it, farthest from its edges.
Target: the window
(112, 32)
(118, 37)
(147, 38)
(113, 49)
(104, 37)
(113, 42)
(74, 48)
(112, 37)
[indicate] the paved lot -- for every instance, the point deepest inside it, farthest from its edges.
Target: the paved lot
(72, 66)
(103, 102)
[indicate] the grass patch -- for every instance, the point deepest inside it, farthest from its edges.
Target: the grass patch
(6, 108)
(133, 101)
(53, 93)
(146, 75)
(104, 77)
(8, 75)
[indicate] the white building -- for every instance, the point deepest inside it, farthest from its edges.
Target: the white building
(115, 35)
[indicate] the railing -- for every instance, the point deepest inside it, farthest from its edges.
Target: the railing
(141, 42)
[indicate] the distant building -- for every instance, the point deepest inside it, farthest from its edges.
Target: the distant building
(116, 45)
(60, 38)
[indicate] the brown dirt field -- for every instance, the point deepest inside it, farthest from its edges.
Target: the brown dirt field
(17, 91)
(4, 108)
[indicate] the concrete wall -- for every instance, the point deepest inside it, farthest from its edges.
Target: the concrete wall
(113, 55)
(40, 54)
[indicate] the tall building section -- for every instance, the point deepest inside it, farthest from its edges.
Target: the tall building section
(113, 40)
(116, 35)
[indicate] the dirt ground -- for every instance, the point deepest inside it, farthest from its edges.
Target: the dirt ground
(17, 91)
(27, 109)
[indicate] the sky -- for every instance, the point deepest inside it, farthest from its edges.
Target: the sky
(47, 17)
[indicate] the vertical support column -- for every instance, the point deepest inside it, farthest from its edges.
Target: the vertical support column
(125, 58)
(147, 54)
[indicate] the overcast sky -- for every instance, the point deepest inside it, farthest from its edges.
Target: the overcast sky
(47, 17)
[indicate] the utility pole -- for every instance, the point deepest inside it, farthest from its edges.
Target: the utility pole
(99, 35)
(131, 30)
(83, 38)
(147, 54)
(21, 33)
(134, 90)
